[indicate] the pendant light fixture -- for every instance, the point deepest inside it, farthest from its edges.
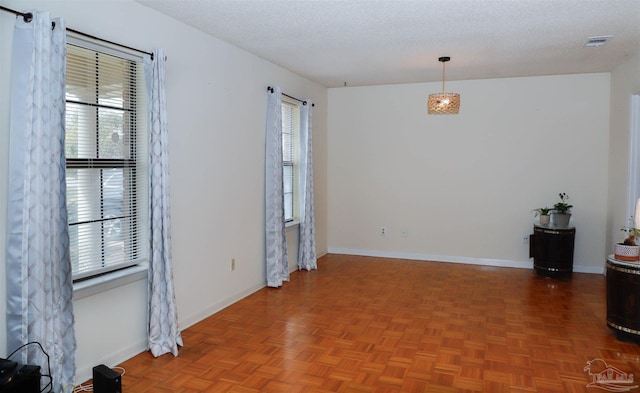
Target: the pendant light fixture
(443, 103)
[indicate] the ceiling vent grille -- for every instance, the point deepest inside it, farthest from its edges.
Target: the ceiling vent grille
(597, 41)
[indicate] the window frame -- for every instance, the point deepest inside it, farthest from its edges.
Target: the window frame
(634, 156)
(294, 162)
(134, 189)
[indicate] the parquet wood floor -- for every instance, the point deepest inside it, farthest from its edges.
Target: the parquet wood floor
(362, 324)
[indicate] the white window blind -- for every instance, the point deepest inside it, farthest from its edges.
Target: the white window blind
(290, 121)
(105, 147)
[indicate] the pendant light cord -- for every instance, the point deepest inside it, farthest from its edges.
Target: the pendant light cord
(443, 77)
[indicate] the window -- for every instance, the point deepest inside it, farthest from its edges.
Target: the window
(634, 157)
(290, 132)
(105, 145)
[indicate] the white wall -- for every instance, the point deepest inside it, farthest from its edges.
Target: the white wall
(216, 102)
(463, 186)
(625, 81)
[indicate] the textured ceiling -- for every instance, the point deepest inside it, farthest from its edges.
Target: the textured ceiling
(371, 42)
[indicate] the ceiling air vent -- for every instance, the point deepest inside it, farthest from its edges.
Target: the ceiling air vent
(597, 41)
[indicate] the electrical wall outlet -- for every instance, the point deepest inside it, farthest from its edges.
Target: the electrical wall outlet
(525, 239)
(383, 231)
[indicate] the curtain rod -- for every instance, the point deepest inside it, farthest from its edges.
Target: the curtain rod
(28, 17)
(270, 90)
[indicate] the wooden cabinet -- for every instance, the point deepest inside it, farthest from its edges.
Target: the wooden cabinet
(623, 296)
(552, 250)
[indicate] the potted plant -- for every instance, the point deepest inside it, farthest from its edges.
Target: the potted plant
(543, 212)
(628, 250)
(562, 211)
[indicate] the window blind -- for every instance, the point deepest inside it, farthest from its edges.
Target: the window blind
(105, 146)
(288, 157)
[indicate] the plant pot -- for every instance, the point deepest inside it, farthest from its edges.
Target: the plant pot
(561, 220)
(545, 219)
(627, 253)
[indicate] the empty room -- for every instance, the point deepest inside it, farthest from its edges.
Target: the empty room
(319, 195)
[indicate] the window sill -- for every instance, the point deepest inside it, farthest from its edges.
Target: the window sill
(109, 281)
(292, 224)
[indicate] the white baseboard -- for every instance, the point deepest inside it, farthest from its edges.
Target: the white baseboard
(190, 320)
(110, 360)
(455, 259)
(589, 269)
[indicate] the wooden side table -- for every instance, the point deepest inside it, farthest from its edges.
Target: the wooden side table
(623, 296)
(552, 250)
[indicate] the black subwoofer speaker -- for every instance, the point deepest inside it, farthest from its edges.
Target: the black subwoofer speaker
(106, 380)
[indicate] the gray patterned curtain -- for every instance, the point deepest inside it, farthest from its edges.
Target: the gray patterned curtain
(275, 231)
(164, 336)
(38, 267)
(307, 249)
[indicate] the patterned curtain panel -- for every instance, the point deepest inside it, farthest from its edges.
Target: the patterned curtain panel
(38, 267)
(275, 235)
(164, 336)
(307, 249)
